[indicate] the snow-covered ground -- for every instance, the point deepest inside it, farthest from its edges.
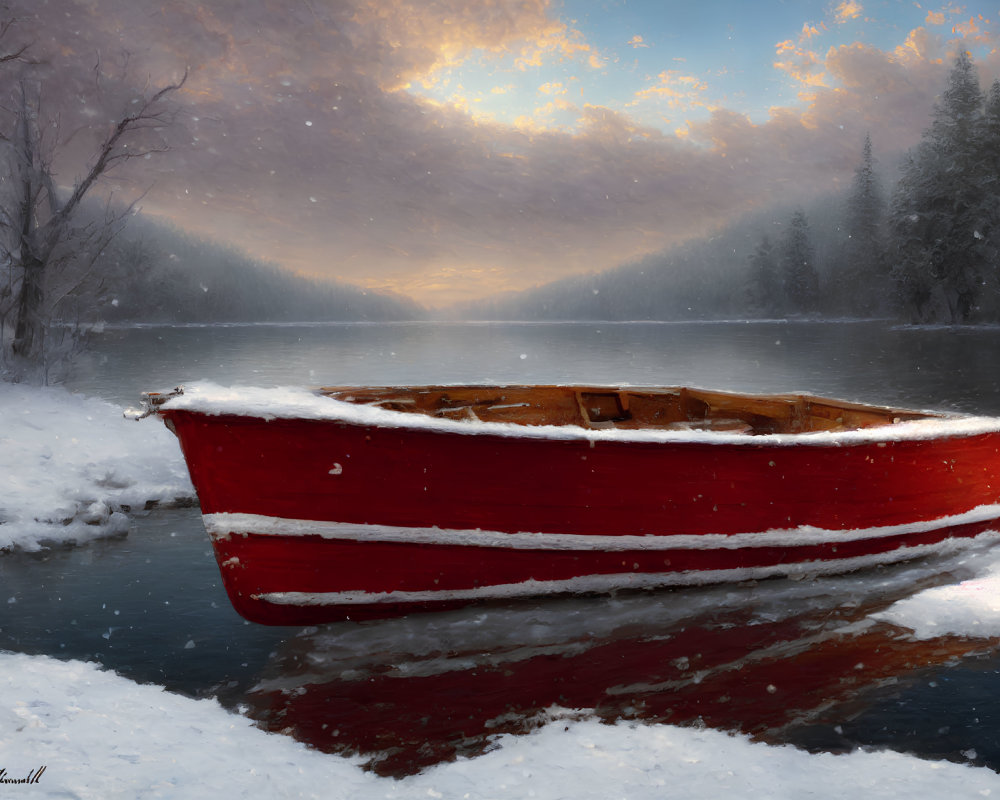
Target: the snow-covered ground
(100, 736)
(72, 464)
(969, 608)
(69, 466)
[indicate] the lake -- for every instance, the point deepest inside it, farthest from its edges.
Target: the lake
(777, 659)
(926, 367)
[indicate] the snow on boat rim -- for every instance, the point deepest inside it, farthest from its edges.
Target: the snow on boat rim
(271, 403)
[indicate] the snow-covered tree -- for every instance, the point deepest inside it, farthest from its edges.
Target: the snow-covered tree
(988, 215)
(798, 267)
(861, 276)
(766, 292)
(50, 237)
(912, 271)
(937, 214)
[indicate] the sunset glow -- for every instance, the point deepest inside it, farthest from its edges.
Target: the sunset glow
(448, 150)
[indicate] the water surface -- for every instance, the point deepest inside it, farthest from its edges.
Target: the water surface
(777, 660)
(925, 367)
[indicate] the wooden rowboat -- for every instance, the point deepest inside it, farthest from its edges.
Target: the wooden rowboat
(350, 503)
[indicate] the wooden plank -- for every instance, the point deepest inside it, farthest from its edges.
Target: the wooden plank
(631, 408)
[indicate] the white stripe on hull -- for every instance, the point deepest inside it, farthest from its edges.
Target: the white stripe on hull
(224, 525)
(603, 584)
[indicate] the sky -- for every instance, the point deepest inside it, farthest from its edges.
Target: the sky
(449, 150)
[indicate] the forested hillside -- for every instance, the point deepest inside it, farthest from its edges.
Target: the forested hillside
(926, 250)
(154, 273)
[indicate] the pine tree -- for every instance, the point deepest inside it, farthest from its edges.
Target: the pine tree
(988, 215)
(765, 288)
(798, 268)
(863, 279)
(937, 211)
(911, 272)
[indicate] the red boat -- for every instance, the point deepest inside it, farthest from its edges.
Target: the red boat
(351, 503)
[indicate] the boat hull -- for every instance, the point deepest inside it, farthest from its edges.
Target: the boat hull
(316, 520)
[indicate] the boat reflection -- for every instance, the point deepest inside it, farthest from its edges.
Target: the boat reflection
(408, 693)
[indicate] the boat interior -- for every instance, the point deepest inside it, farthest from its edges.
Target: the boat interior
(628, 408)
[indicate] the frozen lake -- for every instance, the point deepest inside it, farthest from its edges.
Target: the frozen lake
(778, 660)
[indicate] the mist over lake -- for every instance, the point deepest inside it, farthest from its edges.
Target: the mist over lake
(927, 367)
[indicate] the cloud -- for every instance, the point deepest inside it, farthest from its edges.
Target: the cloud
(848, 10)
(808, 32)
(677, 90)
(881, 92)
(552, 87)
(802, 65)
(387, 189)
(555, 115)
(404, 39)
(974, 30)
(919, 46)
(797, 60)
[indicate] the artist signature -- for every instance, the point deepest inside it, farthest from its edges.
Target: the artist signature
(33, 776)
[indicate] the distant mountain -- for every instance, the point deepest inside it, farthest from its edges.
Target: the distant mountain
(702, 279)
(156, 273)
(709, 278)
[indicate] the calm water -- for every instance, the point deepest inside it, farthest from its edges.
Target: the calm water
(770, 660)
(944, 367)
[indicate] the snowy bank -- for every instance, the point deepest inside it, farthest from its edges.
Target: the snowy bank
(99, 735)
(73, 467)
(969, 608)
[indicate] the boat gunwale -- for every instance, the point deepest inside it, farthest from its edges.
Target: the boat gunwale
(298, 403)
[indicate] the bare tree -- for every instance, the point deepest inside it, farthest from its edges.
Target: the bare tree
(49, 237)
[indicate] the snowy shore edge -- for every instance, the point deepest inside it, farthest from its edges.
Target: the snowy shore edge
(74, 468)
(99, 735)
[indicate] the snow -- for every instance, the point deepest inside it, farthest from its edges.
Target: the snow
(99, 735)
(294, 402)
(969, 608)
(224, 524)
(73, 466)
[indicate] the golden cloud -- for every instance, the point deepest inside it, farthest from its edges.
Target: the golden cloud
(848, 9)
(415, 39)
(677, 89)
(804, 66)
(969, 28)
(920, 45)
(555, 40)
(543, 118)
(808, 32)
